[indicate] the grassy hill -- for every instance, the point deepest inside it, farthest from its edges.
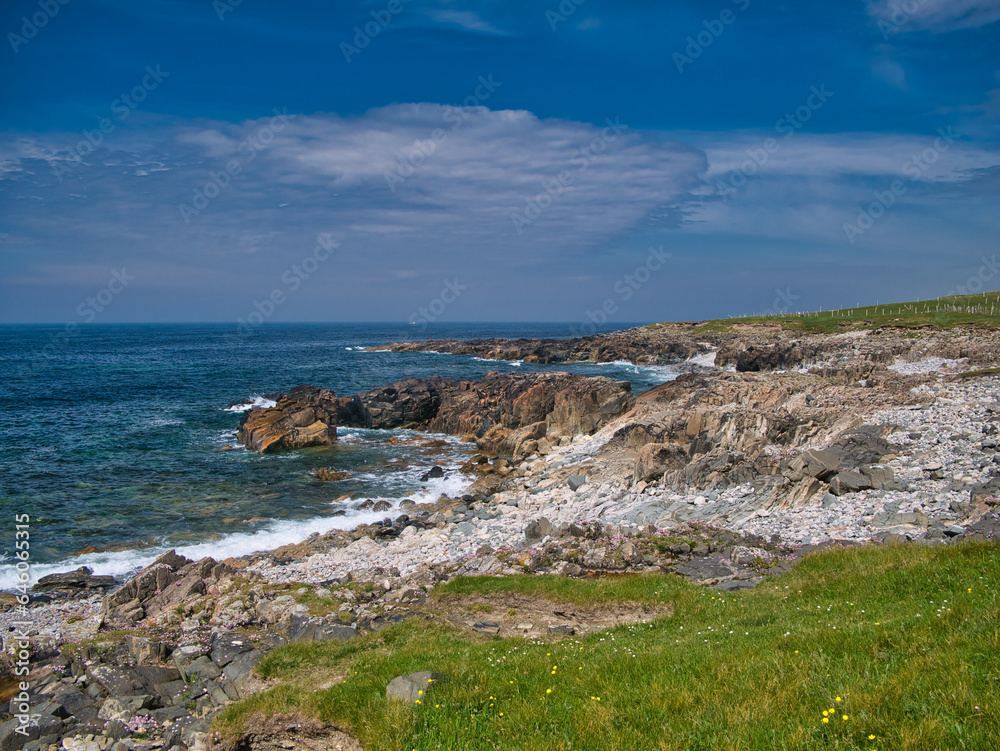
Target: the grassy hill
(868, 648)
(981, 310)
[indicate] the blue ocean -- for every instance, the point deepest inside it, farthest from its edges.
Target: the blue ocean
(119, 440)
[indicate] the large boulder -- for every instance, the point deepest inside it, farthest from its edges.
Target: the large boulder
(813, 463)
(305, 416)
(848, 482)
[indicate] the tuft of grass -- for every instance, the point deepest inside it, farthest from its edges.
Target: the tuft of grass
(903, 640)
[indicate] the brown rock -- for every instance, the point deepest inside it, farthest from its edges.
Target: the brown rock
(305, 416)
(561, 402)
(330, 475)
(656, 459)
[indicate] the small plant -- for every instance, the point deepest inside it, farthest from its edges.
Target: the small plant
(142, 726)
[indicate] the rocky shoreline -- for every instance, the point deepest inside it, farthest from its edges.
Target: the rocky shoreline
(724, 476)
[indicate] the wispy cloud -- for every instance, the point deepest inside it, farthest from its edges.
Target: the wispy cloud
(465, 19)
(935, 15)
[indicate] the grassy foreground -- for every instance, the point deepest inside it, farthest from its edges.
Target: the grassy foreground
(868, 648)
(981, 310)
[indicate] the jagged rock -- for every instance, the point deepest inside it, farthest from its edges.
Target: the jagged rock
(864, 445)
(486, 486)
(881, 478)
(758, 358)
(656, 459)
(986, 490)
(145, 651)
(565, 403)
(150, 580)
(330, 475)
(239, 672)
(819, 464)
(538, 530)
(576, 482)
(305, 416)
(515, 444)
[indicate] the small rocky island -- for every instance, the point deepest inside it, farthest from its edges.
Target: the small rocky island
(773, 444)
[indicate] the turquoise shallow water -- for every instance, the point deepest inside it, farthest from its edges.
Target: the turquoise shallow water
(115, 437)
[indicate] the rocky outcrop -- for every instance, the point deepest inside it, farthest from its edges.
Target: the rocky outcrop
(169, 582)
(305, 416)
(634, 345)
(505, 411)
(760, 346)
(495, 409)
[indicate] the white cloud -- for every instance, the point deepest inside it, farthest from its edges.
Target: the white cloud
(465, 19)
(418, 178)
(934, 15)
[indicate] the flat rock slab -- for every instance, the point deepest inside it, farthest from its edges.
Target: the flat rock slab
(226, 647)
(81, 578)
(705, 570)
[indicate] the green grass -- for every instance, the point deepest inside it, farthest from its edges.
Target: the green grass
(609, 589)
(948, 312)
(907, 637)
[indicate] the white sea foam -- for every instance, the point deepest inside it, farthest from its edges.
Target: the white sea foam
(271, 535)
(660, 373)
(254, 401)
(160, 422)
(705, 360)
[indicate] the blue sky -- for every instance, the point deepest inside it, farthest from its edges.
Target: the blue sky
(190, 160)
